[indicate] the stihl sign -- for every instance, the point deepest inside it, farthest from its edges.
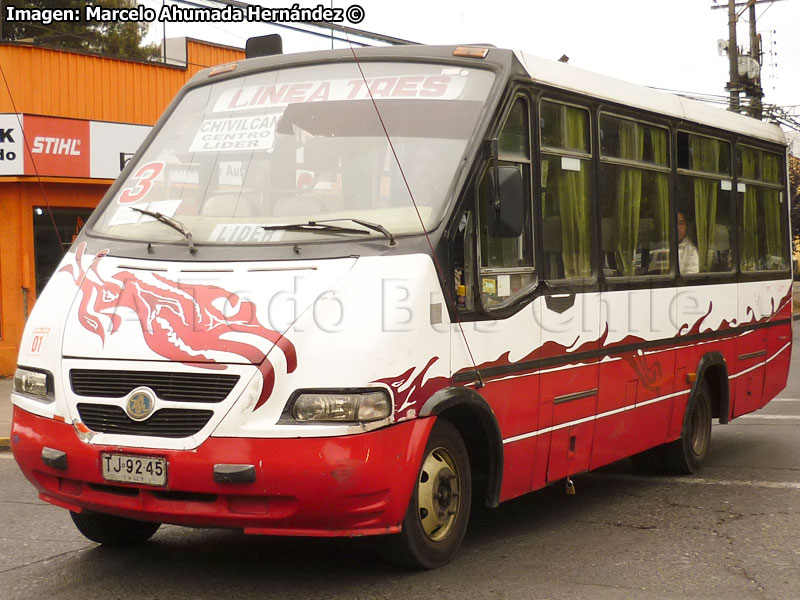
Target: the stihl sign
(55, 145)
(34, 145)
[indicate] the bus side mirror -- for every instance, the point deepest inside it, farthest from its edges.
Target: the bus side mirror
(504, 192)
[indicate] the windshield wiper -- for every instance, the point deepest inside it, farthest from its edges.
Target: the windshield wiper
(324, 227)
(374, 226)
(174, 223)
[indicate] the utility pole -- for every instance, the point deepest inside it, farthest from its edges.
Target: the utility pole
(755, 92)
(749, 81)
(733, 58)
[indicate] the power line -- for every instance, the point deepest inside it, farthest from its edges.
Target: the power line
(395, 41)
(274, 23)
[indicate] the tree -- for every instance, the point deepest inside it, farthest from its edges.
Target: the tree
(111, 38)
(794, 193)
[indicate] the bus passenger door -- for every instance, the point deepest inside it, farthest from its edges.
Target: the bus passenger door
(751, 348)
(570, 303)
(567, 384)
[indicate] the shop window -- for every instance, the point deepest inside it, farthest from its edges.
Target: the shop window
(46, 248)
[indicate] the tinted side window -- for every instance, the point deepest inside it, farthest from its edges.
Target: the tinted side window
(705, 205)
(634, 198)
(764, 230)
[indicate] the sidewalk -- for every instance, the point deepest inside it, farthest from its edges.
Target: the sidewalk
(5, 411)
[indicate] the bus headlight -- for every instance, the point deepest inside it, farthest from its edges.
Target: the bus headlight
(341, 406)
(33, 383)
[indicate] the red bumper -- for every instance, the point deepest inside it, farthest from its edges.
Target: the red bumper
(339, 486)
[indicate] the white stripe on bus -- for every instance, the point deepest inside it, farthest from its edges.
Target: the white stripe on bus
(525, 436)
(761, 364)
(609, 413)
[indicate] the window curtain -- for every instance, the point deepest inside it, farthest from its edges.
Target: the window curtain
(629, 197)
(571, 190)
(705, 157)
(658, 140)
(749, 257)
(772, 213)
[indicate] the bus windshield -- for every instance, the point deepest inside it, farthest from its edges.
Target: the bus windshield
(300, 145)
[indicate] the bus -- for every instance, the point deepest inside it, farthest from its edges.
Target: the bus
(360, 292)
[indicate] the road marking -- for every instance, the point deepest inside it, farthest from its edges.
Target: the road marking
(785, 400)
(7, 455)
(787, 417)
(774, 485)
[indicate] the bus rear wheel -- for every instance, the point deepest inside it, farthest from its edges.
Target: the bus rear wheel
(438, 511)
(113, 531)
(687, 454)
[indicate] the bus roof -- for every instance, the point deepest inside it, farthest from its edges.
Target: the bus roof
(561, 75)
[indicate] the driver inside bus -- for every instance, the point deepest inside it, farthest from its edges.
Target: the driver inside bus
(688, 259)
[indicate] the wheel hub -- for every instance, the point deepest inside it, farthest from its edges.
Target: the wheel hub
(439, 493)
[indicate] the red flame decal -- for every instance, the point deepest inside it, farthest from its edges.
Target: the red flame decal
(416, 391)
(179, 322)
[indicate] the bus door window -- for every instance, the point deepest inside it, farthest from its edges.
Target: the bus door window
(506, 261)
(565, 192)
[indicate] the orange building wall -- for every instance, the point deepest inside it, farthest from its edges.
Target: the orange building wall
(82, 86)
(78, 86)
(17, 267)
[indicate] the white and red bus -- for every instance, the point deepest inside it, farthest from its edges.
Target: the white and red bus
(351, 293)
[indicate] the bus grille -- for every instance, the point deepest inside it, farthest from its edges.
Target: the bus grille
(178, 387)
(167, 422)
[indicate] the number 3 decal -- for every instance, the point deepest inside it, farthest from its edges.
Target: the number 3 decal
(142, 183)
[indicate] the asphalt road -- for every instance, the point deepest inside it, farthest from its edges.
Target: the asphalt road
(730, 531)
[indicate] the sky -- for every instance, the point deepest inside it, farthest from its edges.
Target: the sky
(669, 45)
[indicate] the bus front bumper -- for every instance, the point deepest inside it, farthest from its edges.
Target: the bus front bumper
(335, 486)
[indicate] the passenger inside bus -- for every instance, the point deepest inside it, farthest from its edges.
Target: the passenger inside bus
(688, 259)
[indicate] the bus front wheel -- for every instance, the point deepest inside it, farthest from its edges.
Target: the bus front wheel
(438, 511)
(113, 531)
(687, 454)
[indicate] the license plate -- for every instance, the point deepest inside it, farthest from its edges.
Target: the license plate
(128, 468)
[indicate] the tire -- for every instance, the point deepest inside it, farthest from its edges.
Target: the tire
(438, 512)
(686, 455)
(113, 531)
